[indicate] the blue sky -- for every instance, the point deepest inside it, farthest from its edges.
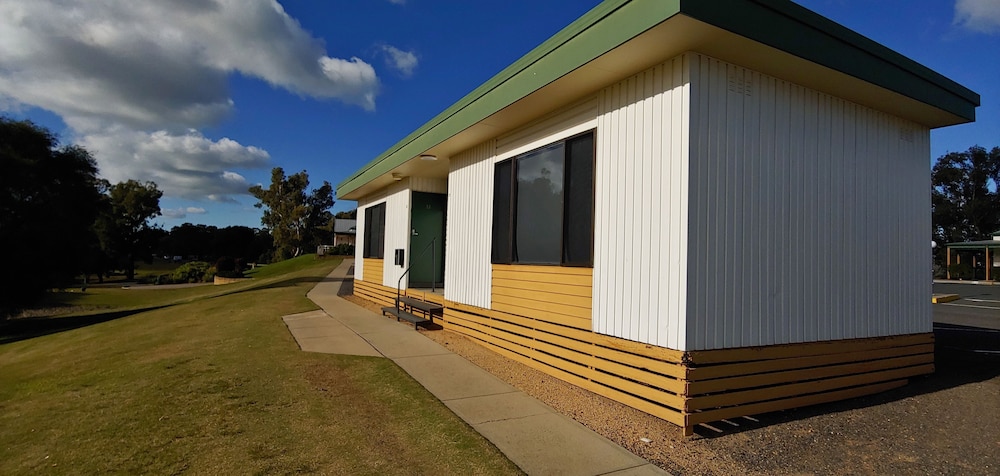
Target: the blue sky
(204, 97)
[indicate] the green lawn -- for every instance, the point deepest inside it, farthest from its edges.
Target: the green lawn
(210, 381)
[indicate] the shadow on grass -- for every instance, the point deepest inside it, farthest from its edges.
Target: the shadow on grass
(15, 330)
(962, 355)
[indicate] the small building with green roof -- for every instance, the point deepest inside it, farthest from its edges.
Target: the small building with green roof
(703, 209)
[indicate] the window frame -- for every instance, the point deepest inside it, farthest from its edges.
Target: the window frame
(505, 211)
(374, 239)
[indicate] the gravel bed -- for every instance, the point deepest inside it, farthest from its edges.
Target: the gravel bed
(945, 423)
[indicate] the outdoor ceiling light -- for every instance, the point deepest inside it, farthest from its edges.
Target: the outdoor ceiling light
(397, 176)
(428, 157)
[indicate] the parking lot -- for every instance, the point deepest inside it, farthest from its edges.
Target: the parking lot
(971, 323)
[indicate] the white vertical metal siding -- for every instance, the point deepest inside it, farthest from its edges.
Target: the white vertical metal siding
(429, 185)
(574, 119)
(397, 232)
(809, 215)
(469, 227)
(359, 248)
(640, 222)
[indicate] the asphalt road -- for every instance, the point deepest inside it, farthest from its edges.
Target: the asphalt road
(970, 324)
(978, 307)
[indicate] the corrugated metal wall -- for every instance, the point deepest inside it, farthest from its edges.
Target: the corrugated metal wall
(469, 226)
(809, 215)
(429, 185)
(640, 222)
(574, 119)
(397, 232)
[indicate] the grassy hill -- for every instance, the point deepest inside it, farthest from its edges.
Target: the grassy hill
(208, 379)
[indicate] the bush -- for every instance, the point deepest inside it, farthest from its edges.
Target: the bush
(227, 267)
(193, 272)
(960, 271)
(342, 249)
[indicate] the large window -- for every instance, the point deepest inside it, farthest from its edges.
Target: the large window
(543, 205)
(375, 231)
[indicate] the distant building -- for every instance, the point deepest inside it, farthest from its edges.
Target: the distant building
(344, 231)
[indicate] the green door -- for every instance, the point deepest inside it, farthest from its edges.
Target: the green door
(427, 220)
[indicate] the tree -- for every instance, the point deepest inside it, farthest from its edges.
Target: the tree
(124, 228)
(49, 197)
(297, 220)
(965, 203)
(347, 215)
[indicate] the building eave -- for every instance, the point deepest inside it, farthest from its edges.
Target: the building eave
(621, 37)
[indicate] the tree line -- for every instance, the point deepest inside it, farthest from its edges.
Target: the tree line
(59, 220)
(965, 199)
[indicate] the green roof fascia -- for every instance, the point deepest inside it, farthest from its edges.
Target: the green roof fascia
(830, 44)
(974, 245)
(600, 30)
(614, 22)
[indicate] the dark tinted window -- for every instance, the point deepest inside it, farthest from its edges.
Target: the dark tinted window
(502, 182)
(374, 231)
(543, 205)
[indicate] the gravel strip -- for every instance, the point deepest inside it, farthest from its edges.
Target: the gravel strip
(945, 423)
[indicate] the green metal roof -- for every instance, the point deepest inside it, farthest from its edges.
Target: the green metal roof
(977, 245)
(780, 24)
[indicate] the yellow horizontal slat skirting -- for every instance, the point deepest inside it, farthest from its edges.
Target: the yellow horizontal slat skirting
(585, 302)
(557, 288)
(372, 270)
(544, 269)
(555, 318)
(699, 387)
(763, 366)
(692, 419)
(746, 354)
(572, 362)
(586, 335)
(500, 346)
(544, 306)
(561, 279)
(603, 359)
(791, 390)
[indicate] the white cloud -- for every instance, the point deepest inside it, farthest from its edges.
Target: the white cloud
(398, 2)
(978, 15)
(403, 61)
(182, 212)
(186, 165)
(131, 79)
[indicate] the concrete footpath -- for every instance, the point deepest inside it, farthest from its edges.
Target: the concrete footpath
(531, 434)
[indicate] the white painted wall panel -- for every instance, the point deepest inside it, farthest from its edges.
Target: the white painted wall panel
(469, 227)
(397, 232)
(574, 119)
(808, 215)
(429, 185)
(640, 243)
(397, 227)
(359, 248)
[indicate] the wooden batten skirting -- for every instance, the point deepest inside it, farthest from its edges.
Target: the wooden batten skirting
(381, 295)
(372, 270)
(687, 388)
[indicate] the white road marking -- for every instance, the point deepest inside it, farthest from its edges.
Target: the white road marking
(981, 300)
(968, 305)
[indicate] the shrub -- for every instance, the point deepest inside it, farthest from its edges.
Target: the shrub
(342, 249)
(227, 267)
(960, 271)
(193, 272)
